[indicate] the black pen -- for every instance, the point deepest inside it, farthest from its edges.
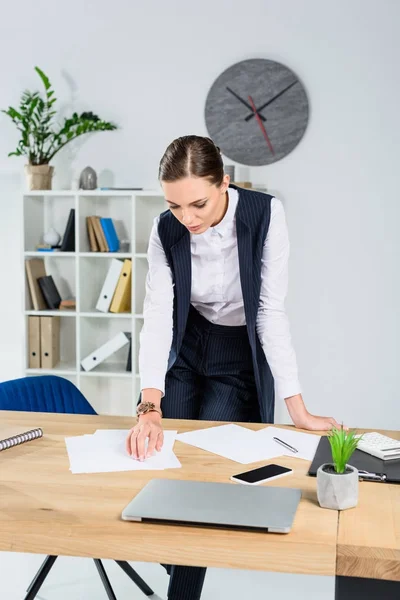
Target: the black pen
(285, 444)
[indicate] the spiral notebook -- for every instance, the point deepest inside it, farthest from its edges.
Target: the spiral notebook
(20, 438)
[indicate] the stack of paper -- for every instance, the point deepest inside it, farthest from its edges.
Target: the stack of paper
(104, 451)
(247, 446)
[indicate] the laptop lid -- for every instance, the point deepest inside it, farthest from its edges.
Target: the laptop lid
(215, 504)
(360, 460)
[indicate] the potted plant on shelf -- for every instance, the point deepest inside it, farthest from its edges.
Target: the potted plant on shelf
(337, 482)
(41, 136)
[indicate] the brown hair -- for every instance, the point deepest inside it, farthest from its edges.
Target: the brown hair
(192, 156)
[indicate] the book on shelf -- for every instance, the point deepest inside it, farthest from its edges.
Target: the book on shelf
(50, 292)
(122, 298)
(109, 285)
(68, 242)
(102, 234)
(110, 234)
(93, 244)
(35, 270)
(99, 355)
(99, 233)
(129, 360)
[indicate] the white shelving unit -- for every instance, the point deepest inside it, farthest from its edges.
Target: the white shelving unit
(80, 275)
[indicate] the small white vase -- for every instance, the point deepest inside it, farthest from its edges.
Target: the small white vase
(337, 491)
(52, 237)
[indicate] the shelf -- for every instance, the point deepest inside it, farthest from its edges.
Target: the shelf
(52, 313)
(94, 315)
(51, 193)
(141, 255)
(108, 370)
(63, 368)
(43, 254)
(106, 254)
(85, 193)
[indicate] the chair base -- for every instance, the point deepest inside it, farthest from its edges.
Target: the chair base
(49, 561)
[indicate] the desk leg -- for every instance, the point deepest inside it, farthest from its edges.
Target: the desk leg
(357, 588)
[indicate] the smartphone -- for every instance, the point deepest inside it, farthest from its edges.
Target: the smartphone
(262, 474)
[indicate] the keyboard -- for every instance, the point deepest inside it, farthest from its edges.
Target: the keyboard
(379, 445)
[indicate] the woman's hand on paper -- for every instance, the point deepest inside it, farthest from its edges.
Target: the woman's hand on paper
(149, 427)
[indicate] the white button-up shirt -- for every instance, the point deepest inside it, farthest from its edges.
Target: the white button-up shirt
(217, 295)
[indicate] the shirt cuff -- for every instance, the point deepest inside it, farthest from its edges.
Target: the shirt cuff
(154, 380)
(285, 389)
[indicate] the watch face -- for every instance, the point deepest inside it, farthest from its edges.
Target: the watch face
(257, 112)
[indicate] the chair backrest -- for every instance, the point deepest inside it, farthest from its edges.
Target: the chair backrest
(43, 393)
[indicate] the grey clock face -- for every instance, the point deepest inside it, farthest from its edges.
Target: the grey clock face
(256, 112)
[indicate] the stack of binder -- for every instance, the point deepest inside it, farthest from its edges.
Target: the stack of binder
(116, 293)
(43, 290)
(43, 342)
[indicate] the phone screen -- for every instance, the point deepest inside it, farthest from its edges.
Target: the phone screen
(262, 473)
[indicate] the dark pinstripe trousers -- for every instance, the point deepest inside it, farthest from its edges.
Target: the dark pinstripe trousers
(213, 380)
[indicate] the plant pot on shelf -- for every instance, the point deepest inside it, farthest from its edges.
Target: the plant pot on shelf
(337, 491)
(39, 177)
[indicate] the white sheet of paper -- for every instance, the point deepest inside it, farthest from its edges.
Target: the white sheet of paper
(105, 452)
(233, 442)
(305, 443)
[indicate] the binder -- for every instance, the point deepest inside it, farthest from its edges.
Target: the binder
(50, 292)
(360, 460)
(68, 243)
(94, 247)
(99, 233)
(121, 301)
(50, 341)
(110, 234)
(105, 351)
(20, 438)
(109, 285)
(35, 269)
(34, 342)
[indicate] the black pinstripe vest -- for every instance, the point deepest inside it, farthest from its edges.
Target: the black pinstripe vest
(253, 214)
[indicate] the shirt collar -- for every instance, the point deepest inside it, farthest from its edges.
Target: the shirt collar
(229, 216)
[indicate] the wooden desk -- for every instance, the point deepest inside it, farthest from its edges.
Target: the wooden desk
(369, 542)
(45, 509)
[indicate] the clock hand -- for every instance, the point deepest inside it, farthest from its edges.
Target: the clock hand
(272, 99)
(261, 124)
(243, 101)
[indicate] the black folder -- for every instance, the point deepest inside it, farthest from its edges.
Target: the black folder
(361, 460)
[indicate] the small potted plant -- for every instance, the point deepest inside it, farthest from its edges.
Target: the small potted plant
(41, 137)
(337, 482)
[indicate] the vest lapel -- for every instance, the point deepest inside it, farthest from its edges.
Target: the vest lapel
(245, 246)
(182, 262)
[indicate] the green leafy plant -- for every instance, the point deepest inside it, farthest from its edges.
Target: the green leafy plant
(41, 136)
(343, 443)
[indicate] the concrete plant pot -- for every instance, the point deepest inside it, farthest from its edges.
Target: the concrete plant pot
(337, 491)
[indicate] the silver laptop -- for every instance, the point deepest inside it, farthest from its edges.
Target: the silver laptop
(226, 505)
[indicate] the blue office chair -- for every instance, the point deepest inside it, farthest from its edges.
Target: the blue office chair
(48, 393)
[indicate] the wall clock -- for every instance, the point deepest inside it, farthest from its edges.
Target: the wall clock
(256, 111)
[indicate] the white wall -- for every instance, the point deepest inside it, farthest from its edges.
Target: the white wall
(149, 65)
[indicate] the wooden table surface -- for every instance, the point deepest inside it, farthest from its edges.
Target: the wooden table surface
(45, 509)
(369, 535)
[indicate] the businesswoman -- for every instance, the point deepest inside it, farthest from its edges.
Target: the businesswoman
(215, 341)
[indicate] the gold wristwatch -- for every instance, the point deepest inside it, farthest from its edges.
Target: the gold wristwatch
(145, 407)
